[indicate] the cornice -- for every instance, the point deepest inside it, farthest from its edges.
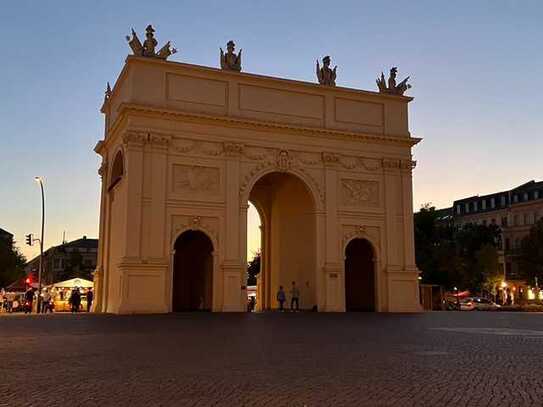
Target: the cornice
(183, 66)
(228, 121)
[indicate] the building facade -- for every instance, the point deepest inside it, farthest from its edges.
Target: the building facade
(515, 211)
(186, 147)
(68, 260)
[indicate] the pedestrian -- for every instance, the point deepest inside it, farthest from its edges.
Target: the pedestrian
(281, 297)
(75, 300)
(294, 297)
(29, 300)
(10, 297)
(90, 297)
(46, 302)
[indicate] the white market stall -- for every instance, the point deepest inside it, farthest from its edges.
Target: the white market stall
(62, 290)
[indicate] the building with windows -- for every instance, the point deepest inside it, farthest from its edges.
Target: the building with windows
(515, 211)
(68, 260)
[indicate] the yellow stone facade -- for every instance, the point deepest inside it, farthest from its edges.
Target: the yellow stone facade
(187, 147)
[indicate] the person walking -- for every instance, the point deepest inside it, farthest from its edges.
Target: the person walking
(29, 300)
(75, 300)
(46, 302)
(281, 297)
(90, 297)
(294, 297)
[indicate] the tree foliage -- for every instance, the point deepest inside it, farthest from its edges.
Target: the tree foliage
(11, 262)
(531, 253)
(450, 256)
(253, 268)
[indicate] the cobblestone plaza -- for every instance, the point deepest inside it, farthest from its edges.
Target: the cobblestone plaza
(275, 359)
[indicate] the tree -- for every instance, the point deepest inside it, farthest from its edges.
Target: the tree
(12, 262)
(253, 268)
(464, 257)
(434, 247)
(531, 253)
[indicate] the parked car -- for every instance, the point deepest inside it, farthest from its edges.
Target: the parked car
(484, 304)
(478, 304)
(467, 304)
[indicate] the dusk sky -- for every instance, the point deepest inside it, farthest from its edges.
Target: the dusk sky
(475, 67)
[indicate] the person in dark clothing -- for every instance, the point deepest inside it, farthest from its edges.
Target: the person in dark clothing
(281, 297)
(90, 297)
(29, 300)
(75, 300)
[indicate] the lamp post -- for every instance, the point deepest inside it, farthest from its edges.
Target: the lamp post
(39, 180)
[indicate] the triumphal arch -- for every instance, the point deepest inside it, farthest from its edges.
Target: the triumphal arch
(187, 147)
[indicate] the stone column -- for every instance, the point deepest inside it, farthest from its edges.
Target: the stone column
(233, 268)
(98, 305)
(330, 290)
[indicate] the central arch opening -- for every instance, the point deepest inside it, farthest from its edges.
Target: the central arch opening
(287, 240)
(359, 276)
(193, 272)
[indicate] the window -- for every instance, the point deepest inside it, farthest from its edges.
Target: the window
(483, 204)
(516, 220)
(475, 209)
(492, 202)
(515, 198)
(466, 208)
(117, 170)
(458, 209)
(526, 196)
(504, 221)
(536, 194)
(502, 200)
(507, 244)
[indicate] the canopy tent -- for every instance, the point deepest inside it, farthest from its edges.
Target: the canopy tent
(72, 283)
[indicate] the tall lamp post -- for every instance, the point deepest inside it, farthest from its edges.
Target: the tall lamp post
(39, 180)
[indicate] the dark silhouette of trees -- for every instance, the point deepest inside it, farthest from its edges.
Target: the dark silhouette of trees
(11, 262)
(253, 268)
(450, 256)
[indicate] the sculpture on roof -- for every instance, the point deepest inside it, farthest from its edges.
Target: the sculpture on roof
(149, 45)
(325, 75)
(229, 60)
(393, 88)
(108, 92)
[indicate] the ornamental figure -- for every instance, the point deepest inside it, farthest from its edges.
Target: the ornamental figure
(325, 75)
(149, 45)
(229, 60)
(393, 88)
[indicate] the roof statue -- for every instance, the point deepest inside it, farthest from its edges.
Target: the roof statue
(325, 75)
(149, 45)
(229, 60)
(393, 88)
(108, 92)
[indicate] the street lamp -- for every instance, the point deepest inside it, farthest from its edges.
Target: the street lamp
(39, 180)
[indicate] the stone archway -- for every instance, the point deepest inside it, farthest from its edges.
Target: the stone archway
(288, 244)
(360, 278)
(192, 287)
